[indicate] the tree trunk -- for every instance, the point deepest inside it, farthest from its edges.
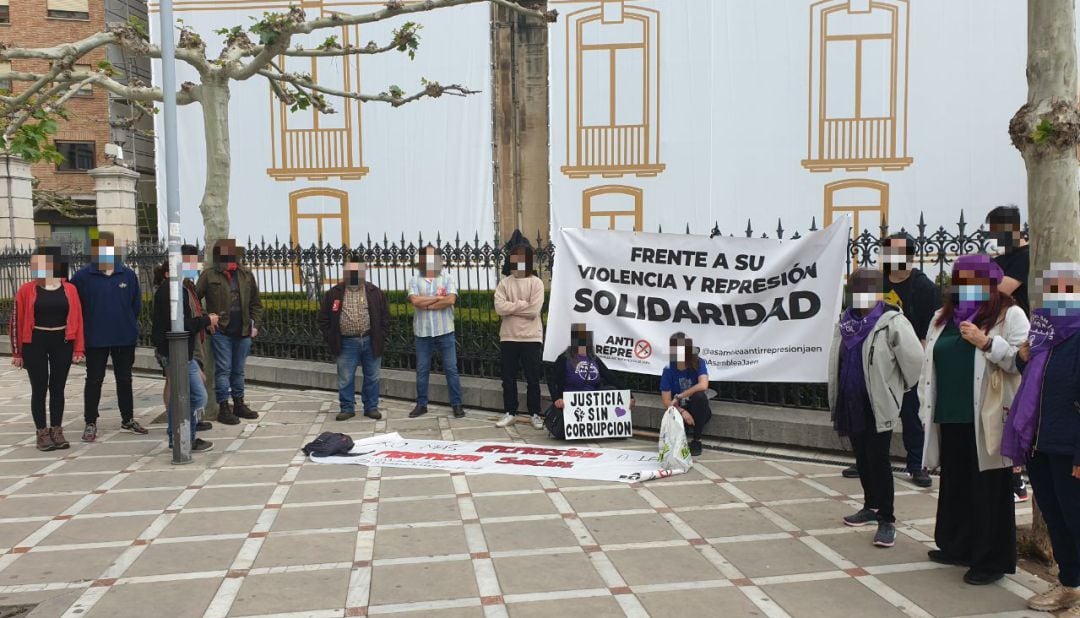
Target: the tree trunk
(215, 201)
(1046, 132)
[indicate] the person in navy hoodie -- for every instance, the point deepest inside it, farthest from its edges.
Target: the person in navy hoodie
(111, 301)
(1043, 427)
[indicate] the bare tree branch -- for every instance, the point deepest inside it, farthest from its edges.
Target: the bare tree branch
(431, 90)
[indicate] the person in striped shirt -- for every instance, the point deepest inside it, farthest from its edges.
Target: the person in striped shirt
(433, 295)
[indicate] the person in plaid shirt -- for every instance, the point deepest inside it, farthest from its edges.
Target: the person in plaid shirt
(433, 295)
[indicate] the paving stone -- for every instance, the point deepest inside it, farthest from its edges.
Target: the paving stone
(616, 529)
(413, 511)
(231, 496)
(292, 550)
(728, 522)
(293, 517)
(404, 487)
(142, 500)
(819, 515)
(502, 506)
(746, 468)
(546, 573)
(65, 482)
(539, 534)
(698, 494)
(77, 565)
(12, 534)
(481, 483)
(942, 592)
(663, 565)
(859, 548)
(830, 598)
(774, 557)
(99, 530)
(599, 500)
(185, 557)
(420, 542)
(157, 479)
(243, 476)
(411, 583)
(702, 602)
(291, 592)
(597, 607)
(199, 524)
(786, 489)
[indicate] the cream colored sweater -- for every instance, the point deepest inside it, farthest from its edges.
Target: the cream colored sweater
(518, 301)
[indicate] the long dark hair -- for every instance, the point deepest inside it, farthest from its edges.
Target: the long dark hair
(692, 359)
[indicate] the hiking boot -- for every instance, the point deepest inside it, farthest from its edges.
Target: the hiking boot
(922, 479)
(851, 472)
(940, 557)
(863, 518)
(373, 414)
(537, 422)
(44, 441)
(90, 433)
(225, 414)
(344, 416)
(58, 438)
(204, 426)
(134, 427)
(695, 448)
(201, 446)
(1057, 598)
(506, 420)
(981, 578)
(419, 410)
(885, 535)
(459, 411)
(241, 410)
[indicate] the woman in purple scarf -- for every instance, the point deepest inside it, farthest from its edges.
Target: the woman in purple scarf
(1044, 422)
(968, 380)
(875, 358)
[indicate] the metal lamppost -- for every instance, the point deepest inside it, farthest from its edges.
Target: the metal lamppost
(179, 398)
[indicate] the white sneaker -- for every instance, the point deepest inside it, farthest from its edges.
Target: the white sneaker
(506, 420)
(537, 422)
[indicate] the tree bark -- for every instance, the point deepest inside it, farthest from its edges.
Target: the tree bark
(1046, 131)
(215, 201)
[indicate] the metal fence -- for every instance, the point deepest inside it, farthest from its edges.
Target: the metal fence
(292, 280)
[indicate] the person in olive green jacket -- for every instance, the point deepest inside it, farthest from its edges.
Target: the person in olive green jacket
(231, 292)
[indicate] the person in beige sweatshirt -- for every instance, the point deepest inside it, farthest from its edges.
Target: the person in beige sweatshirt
(518, 300)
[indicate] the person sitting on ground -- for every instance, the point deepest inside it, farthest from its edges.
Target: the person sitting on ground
(196, 323)
(575, 370)
(684, 384)
(875, 358)
(1044, 422)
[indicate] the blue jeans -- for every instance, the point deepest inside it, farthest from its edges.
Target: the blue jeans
(358, 351)
(447, 348)
(230, 356)
(198, 397)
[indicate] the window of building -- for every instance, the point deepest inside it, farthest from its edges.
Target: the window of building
(867, 201)
(5, 12)
(613, 207)
(68, 9)
(318, 217)
(78, 156)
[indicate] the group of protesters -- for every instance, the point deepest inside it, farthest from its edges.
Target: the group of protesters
(980, 390)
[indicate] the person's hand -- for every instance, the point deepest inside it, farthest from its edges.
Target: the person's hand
(633, 402)
(16, 361)
(254, 332)
(687, 417)
(973, 335)
(1076, 472)
(77, 358)
(1025, 351)
(559, 403)
(214, 318)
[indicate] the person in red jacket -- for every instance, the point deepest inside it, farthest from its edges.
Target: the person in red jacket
(46, 337)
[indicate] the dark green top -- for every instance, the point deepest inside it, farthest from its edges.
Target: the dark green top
(954, 369)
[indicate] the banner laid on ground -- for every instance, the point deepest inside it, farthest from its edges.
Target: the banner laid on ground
(597, 414)
(760, 310)
(591, 464)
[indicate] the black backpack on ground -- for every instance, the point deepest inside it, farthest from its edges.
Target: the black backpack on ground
(553, 420)
(329, 444)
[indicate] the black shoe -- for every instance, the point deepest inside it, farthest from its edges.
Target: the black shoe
(225, 414)
(204, 426)
(979, 578)
(419, 410)
(459, 412)
(201, 446)
(373, 414)
(922, 479)
(695, 448)
(850, 473)
(344, 416)
(241, 410)
(133, 426)
(940, 557)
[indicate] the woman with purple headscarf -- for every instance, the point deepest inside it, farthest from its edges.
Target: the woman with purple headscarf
(1043, 427)
(968, 381)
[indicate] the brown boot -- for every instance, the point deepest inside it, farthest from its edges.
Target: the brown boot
(58, 438)
(240, 409)
(225, 414)
(45, 441)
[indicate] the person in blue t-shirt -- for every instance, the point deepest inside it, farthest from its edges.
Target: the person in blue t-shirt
(684, 384)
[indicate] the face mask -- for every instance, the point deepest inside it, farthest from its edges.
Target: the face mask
(105, 257)
(42, 273)
(189, 272)
(971, 293)
(1061, 304)
(865, 300)
(1005, 240)
(353, 278)
(894, 261)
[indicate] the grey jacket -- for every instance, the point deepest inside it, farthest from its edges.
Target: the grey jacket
(892, 359)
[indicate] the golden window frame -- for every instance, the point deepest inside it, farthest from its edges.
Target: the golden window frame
(588, 214)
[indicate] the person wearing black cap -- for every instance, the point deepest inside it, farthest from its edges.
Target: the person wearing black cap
(518, 300)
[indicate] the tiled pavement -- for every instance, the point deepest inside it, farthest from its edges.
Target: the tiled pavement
(252, 529)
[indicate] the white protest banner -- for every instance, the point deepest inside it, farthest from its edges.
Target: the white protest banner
(595, 464)
(597, 414)
(760, 310)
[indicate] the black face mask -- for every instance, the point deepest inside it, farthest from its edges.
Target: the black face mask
(353, 278)
(1005, 240)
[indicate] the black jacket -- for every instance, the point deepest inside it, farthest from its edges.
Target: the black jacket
(918, 298)
(378, 311)
(162, 321)
(1058, 425)
(556, 378)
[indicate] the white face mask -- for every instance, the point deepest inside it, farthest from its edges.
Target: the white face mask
(865, 300)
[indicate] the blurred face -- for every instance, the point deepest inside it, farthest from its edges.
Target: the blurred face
(103, 254)
(430, 262)
(1061, 293)
(227, 253)
(972, 286)
(41, 266)
(866, 289)
(520, 264)
(894, 255)
(189, 266)
(355, 274)
(580, 338)
(680, 350)
(1005, 234)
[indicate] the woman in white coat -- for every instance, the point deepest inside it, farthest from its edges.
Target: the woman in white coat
(968, 381)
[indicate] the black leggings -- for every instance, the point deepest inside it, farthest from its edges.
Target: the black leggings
(47, 359)
(698, 407)
(528, 356)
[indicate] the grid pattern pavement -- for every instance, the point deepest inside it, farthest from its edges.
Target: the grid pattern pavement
(253, 529)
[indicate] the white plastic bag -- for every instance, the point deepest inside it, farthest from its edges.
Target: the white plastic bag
(674, 450)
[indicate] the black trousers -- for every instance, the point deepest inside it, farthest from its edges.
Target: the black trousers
(698, 407)
(96, 361)
(875, 470)
(976, 519)
(528, 356)
(1057, 492)
(914, 436)
(47, 360)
